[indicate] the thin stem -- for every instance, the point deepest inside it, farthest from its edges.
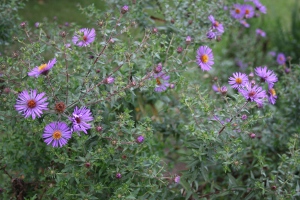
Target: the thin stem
(222, 129)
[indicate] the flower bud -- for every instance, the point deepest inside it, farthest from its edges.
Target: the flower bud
(63, 34)
(172, 21)
(118, 175)
(87, 165)
(109, 80)
(188, 40)
(6, 90)
(140, 139)
(223, 90)
(172, 86)
(99, 128)
(179, 49)
(244, 117)
(158, 68)
(60, 107)
(23, 24)
(154, 30)
(177, 179)
(37, 24)
(124, 9)
(252, 135)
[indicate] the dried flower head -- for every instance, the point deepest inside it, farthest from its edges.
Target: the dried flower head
(60, 107)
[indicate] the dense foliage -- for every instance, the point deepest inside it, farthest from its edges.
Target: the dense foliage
(154, 100)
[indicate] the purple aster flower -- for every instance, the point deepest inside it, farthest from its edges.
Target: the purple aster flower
(253, 93)
(109, 80)
(248, 11)
(215, 24)
(162, 82)
(84, 37)
(260, 6)
(266, 75)
(223, 90)
(31, 103)
(42, 69)
(260, 32)
(177, 179)
(244, 117)
(281, 59)
(272, 96)
(57, 134)
(211, 35)
(216, 88)
(272, 53)
(140, 139)
(244, 23)
(238, 11)
(80, 117)
(205, 58)
(37, 24)
(238, 80)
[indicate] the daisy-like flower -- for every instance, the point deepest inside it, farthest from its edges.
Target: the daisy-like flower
(57, 134)
(237, 12)
(84, 37)
(260, 32)
(205, 58)
(42, 69)
(253, 93)
(266, 75)
(260, 7)
(272, 96)
(248, 11)
(31, 104)
(215, 24)
(244, 23)
(162, 82)
(80, 119)
(238, 80)
(281, 59)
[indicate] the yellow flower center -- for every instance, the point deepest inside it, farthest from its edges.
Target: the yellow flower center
(204, 58)
(247, 12)
(31, 103)
(42, 67)
(238, 80)
(216, 24)
(237, 11)
(56, 135)
(272, 91)
(158, 81)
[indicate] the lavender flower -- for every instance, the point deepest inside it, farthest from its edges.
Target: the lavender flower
(248, 11)
(118, 175)
(205, 58)
(188, 39)
(237, 12)
(162, 82)
(80, 117)
(140, 139)
(124, 9)
(266, 75)
(260, 6)
(158, 68)
(244, 23)
(272, 53)
(215, 24)
(272, 96)
(109, 80)
(84, 37)
(57, 134)
(37, 24)
(211, 35)
(177, 179)
(31, 104)
(238, 80)
(244, 117)
(42, 69)
(260, 32)
(253, 93)
(281, 59)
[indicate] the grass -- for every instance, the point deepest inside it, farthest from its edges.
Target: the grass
(64, 10)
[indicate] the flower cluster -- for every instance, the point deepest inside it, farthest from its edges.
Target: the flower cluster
(216, 29)
(242, 12)
(250, 90)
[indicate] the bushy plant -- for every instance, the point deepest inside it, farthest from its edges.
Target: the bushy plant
(143, 104)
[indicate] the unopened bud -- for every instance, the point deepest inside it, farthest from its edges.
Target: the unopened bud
(124, 9)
